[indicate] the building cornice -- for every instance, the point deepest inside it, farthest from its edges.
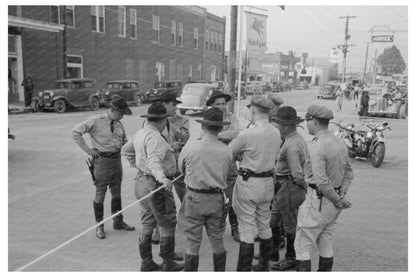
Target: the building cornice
(34, 24)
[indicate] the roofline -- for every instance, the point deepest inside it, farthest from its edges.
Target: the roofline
(34, 24)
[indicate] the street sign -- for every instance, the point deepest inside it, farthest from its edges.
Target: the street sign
(382, 38)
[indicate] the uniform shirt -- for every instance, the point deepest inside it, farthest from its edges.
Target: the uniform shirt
(258, 147)
(293, 159)
(99, 129)
(177, 129)
(150, 153)
(206, 163)
(331, 166)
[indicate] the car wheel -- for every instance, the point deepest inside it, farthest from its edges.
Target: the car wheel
(139, 101)
(182, 111)
(60, 106)
(94, 104)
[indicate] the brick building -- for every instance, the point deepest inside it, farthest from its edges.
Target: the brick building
(145, 43)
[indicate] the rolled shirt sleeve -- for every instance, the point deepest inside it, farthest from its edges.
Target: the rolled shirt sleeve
(156, 151)
(79, 130)
(129, 153)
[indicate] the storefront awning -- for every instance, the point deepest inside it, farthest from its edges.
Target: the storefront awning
(16, 21)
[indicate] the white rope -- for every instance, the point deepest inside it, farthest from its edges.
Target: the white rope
(93, 227)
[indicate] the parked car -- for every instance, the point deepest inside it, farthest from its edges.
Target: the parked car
(302, 85)
(161, 86)
(194, 96)
(68, 93)
(328, 91)
(381, 102)
(126, 89)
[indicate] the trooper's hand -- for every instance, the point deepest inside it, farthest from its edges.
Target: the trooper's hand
(177, 145)
(342, 192)
(343, 203)
(94, 152)
(167, 184)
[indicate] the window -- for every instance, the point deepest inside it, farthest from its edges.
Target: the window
(180, 36)
(133, 23)
(211, 43)
(206, 40)
(220, 43)
(122, 21)
(173, 33)
(195, 38)
(190, 72)
(160, 71)
(215, 42)
(155, 28)
(97, 22)
(198, 72)
(70, 16)
(74, 66)
(55, 15)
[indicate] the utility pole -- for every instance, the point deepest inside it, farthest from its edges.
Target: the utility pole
(233, 54)
(375, 67)
(365, 63)
(345, 46)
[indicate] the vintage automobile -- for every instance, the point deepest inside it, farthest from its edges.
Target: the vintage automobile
(382, 103)
(328, 91)
(194, 96)
(161, 86)
(126, 89)
(68, 93)
(302, 85)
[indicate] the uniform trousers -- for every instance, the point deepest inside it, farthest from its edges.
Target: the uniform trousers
(108, 173)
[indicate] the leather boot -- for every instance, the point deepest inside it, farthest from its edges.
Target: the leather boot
(191, 262)
(325, 264)
(245, 256)
(167, 251)
(274, 256)
(99, 215)
(118, 223)
(264, 255)
(145, 249)
(219, 261)
(290, 257)
(303, 265)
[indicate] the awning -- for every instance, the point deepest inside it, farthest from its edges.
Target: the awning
(34, 24)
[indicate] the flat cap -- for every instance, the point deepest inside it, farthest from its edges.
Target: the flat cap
(276, 99)
(321, 112)
(262, 102)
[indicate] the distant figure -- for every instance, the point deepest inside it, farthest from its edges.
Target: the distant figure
(365, 99)
(28, 87)
(339, 95)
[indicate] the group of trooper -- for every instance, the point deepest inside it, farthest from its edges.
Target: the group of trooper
(266, 173)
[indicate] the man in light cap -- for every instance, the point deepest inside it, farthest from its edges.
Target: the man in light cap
(277, 101)
(325, 197)
(256, 149)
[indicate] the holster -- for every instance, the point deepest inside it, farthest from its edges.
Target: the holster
(90, 163)
(225, 210)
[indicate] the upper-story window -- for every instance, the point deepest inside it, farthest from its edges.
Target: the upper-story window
(98, 18)
(211, 42)
(180, 35)
(55, 15)
(196, 38)
(220, 43)
(70, 16)
(133, 23)
(173, 34)
(122, 21)
(155, 28)
(215, 42)
(207, 40)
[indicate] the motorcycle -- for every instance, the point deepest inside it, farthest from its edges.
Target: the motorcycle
(366, 144)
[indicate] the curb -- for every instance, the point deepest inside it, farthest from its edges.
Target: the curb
(20, 111)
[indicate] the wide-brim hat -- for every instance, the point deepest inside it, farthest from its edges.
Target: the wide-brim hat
(156, 110)
(213, 117)
(286, 115)
(218, 94)
(119, 104)
(168, 96)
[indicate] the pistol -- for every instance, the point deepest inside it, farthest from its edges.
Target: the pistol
(225, 210)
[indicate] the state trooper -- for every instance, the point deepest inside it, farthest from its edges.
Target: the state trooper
(256, 149)
(154, 158)
(205, 163)
(107, 137)
(325, 197)
(290, 173)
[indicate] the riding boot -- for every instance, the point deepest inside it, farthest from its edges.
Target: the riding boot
(245, 256)
(118, 223)
(264, 255)
(99, 215)
(325, 264)
(290, 257)
(145, 249)
(276, 234)
(191, 262)
(303, 265)
(219, 261)
(167, 251)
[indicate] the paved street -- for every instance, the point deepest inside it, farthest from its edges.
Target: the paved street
(50, 200)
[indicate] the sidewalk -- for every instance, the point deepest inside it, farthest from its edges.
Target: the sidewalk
(18, 108)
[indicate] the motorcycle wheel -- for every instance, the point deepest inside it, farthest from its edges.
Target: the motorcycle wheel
(377, 156)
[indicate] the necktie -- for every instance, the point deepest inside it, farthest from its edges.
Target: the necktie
(112, 126)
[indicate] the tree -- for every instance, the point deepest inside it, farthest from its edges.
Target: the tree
(391, 61)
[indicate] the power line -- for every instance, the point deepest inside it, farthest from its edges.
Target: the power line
(396, 13)
(330, 36)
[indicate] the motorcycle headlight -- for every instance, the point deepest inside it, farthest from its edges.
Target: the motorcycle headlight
(378, 133)
(369, 135)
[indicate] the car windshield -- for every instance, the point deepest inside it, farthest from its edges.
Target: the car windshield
(60, 85)
(159, 85)
(194, 90)
(172, 85)
(113, 85)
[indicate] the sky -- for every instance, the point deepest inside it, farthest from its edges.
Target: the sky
(316, 29)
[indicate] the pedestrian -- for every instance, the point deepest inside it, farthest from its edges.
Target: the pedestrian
(205, 163)
(107, 138)
(256, 149)
(219, 100)
(339, 95)
(365, 99)
(290, 173)
(325, 197)
(28, 86)
(356, 91)
(154, 158)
